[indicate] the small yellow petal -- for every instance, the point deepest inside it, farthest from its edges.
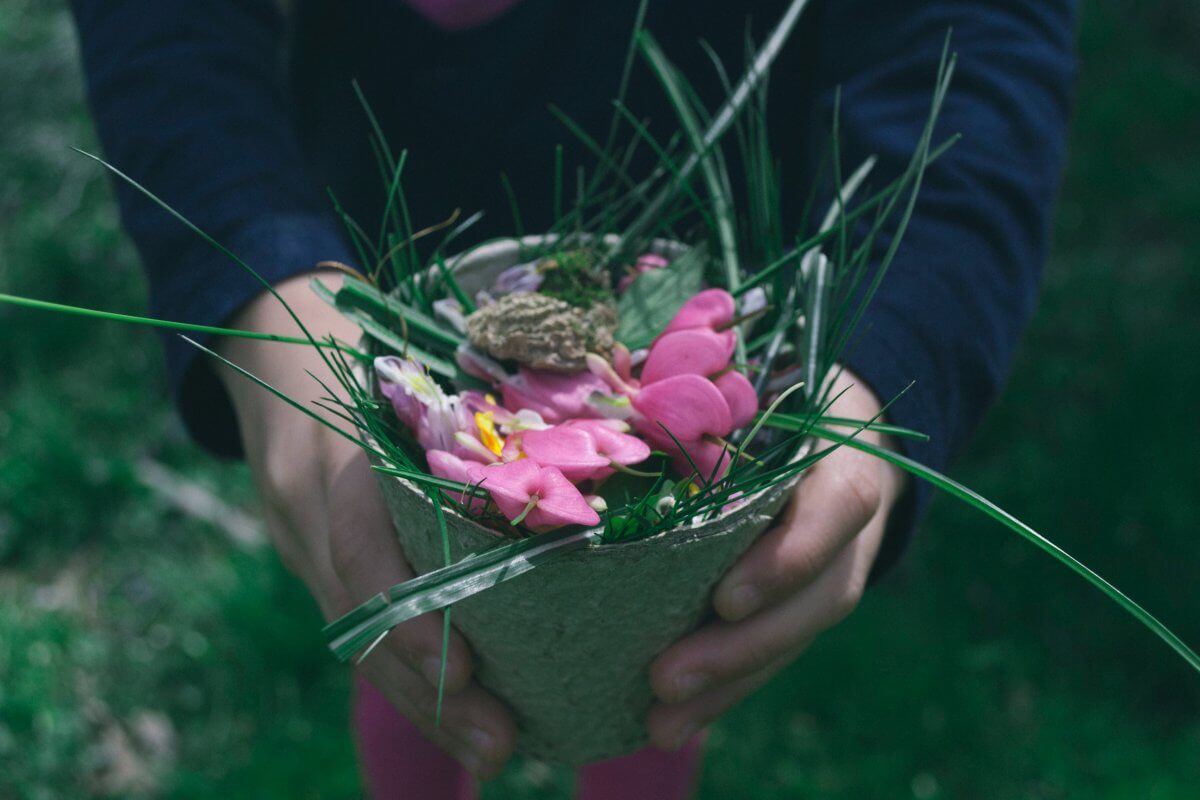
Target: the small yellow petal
(487, 432)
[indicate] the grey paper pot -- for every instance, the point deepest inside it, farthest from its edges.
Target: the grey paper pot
(568, 645)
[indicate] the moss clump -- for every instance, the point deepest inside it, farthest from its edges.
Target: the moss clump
(573, 277)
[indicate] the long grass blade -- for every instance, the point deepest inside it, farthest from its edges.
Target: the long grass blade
(982, 504)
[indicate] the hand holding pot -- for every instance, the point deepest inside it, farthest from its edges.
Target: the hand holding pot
(331, 528)
(796, 581)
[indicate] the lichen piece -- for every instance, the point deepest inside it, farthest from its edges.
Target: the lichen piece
(542, 332)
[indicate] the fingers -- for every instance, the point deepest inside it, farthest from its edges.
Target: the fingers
(476, 728)
(726, 652)
(835, 501)
(671, 726)
(367, 558)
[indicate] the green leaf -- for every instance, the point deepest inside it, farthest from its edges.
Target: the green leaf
(654, 297)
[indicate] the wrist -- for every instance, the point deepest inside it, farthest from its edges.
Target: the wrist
(284, 366)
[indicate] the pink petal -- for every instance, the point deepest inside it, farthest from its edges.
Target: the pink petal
(452, 468)
(559, 503)
(705, 455)
(697, 351)
(571, 449)
(689, 406)
(510, 484)
(613, 444)
(712, 308)
(449, 466)
(623, 362)
(556, 397)
(740, 395)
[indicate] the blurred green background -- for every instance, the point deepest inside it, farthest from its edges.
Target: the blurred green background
(146, 650)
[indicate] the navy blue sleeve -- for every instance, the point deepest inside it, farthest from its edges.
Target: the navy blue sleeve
(951, 309)
(189, 100)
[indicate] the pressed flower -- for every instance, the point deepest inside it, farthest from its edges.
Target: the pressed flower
(540, 497)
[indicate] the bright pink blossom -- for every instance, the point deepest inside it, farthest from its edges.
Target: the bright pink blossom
(694, 351)
(543, 494)
(740, 395)
(581, 449)
(572, 450)
(713, 309)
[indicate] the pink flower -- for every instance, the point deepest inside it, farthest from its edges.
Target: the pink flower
(582, 449)
(712, 309)
(692, 351)
(556, 397)
(695, 412)
(740, 395)
(541, 497)
(570, 450)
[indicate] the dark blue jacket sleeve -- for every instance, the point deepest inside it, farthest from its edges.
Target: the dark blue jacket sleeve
(950, 311)
(189, 100)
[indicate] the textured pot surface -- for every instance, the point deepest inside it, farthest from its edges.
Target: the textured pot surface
(568, 646)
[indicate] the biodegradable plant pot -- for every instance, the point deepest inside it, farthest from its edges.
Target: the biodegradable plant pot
(568, 645)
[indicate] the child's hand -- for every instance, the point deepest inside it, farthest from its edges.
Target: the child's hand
(329, 523)
(796, 581)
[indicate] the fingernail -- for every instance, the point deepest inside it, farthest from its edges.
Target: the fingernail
(482, 741)
(689, 684)
(744, 601)
(432, 669)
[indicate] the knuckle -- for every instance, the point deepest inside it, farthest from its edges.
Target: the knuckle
(857, 484)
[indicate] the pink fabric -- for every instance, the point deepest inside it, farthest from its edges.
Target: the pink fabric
(398, 763)
(457, 15)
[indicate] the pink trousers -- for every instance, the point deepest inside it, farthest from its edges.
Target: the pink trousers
(398, 763)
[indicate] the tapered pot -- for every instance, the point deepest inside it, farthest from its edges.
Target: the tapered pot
(568, 645)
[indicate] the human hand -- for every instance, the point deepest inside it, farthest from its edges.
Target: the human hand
(796, 581)
(328, 521)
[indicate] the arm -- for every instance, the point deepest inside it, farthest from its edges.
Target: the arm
(948, 316)
(189, 102)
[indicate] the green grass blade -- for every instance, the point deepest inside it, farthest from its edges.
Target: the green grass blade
(45, 305)
(982, 504)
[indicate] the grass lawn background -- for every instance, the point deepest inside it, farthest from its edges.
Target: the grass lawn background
(145, 651)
